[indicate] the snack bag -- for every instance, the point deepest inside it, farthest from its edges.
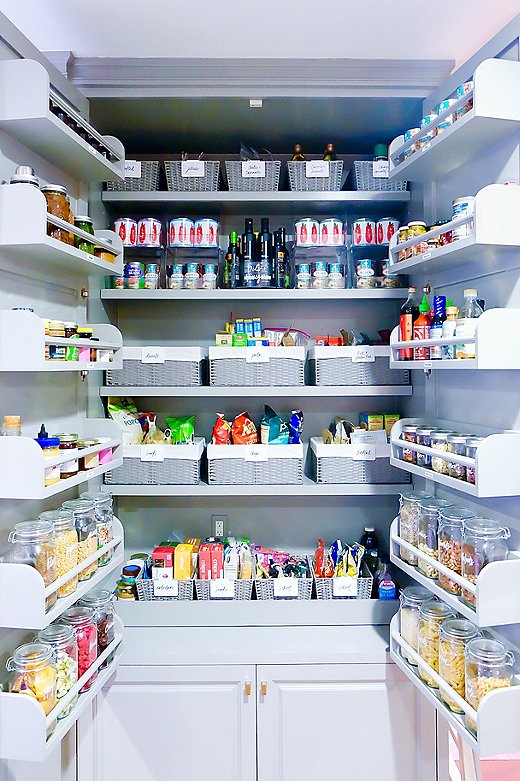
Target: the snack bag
(273, 430)
(125, 414)
(221, 431)
(319, 558)
(181, 430)
(295, 427)
(244, 430)
(154, 436)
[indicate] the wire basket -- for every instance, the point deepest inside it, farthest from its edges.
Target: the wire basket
(365, 180)
(182, 367)
(181, 466)
(298, 180)
(334, 366)
(145, 590)
(238, 464)
(265, 588)
(243, 590)
(232, 366)
(207, 183)
(236, 181)
(336, 464)
(149, 179)
(325, 586)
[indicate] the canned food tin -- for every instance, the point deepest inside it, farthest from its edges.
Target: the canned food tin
(119, 281)
(320, 274)
(303, 275)
(193, 276)
(363, 232)
(331, 232)
(151, 276)
(392, 281)
(386, 227)
(307, 233)
(336, 275)
(209, 277)
(175, 276)
(411, 133)
(207, 233)
(429, 136)
(365, 268)
(181, 232)
(462, 207)
(149, 232)
(127, 231)
(134, 275)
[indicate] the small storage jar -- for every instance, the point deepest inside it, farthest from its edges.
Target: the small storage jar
(34, 544)
(104, 512)
(58, 206)
(62, 639)
(85, 522)
(101, 602)
(457, 446)
(451, 523)
(472, 444)
(439, 441)
(82, 620)
(409, 513)
(409, 433)
(34, 673)
(431, 616)
(66, 538)
(454, 634)
(429, 510)
(411, 599)
(488, 667)
(423, 436)
(483, 541)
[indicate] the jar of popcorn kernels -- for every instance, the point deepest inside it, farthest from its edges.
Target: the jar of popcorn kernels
(454, 634)
(488, 667)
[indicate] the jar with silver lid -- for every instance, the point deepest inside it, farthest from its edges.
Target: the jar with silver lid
(409, 433)
(488, 667)
(457, 445)
(409, 512)
(103, 509)
(451, 524)
(472, 444)
(483, 541)
(411, 599)
(439, 441)
(429, 510)
(85, 521)
(424, 438)
(431, 616)
(454, 634)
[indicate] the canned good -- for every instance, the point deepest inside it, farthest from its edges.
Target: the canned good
(127, 231)
(363, 232)
(462, 207)
(465, 108)
(409, 134)
(151, 276)
(464, 89)
(365, 268)
(331, 232)
(392, 280)
(403, 235)
(427, 137)
(207, 233)
(303, 275)
(307, 233)
(209, 277)
(336, 275)
(149, 232)
(193, 276)
(181, 232)
(119, 280)
(386, 227)
(134, 275)
(320, 274)
(175, 276)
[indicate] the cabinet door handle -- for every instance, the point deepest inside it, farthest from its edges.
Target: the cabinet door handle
(247, 688)
(263, 688)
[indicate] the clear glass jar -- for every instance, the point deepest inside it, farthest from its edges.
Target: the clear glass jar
(62, 639)
(103, 507)
(409, 512)
(483, 541)
(34, 544)
(68, 447)
(457, 445)
(409, 433)
(84, 223)
(431, 616)
(454, 634)
(66, 538)
(12, 426)
(102, 604)
(34, 673)
(85, 521)
(58, 206)
(488, 667)
(472, 444)
(424, 438)
(412, 597)
(82, 620)
(451, 521)
(427, 535)
(439, 441)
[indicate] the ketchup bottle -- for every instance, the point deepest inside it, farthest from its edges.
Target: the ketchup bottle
(421, 330)
(407, 317)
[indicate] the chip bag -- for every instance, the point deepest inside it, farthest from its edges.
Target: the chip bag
(319, 558)
(273, 430)
(221, 431)
(295, 427)
(181, 431)
(244, 430)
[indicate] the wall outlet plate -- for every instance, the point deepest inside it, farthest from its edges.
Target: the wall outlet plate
(218, 525)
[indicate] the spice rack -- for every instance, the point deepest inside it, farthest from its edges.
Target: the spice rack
(24, 725)
(497, 716)
(26, 116)
(22, 463)
(494, 116)
(32, 247)
(497, 462)
(25, 607)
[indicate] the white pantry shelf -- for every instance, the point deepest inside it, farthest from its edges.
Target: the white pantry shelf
(256, 294)
(26, 116)
(495, 116)
(244, 392)
(24, 727)
(25, 608)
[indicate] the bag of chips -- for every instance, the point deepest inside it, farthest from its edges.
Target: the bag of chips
(125, 414)
(221, 431)
(244, 430)
(273, 430)
(180, 431)
(295, 427)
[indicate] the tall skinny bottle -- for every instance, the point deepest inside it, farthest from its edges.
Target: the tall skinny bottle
(232, 263)
(407, 317)
(265, 254)
(421, 330)
(250, 262)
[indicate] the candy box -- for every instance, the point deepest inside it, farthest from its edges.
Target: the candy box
(371, 421)
(217, 561)
(390, 420)
(224, 339)
(183, 557)
(240, 340)
(162, 562)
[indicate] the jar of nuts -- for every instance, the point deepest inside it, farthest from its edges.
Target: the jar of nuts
(409, 512)
(412, 597)
(453, 636)
(451, 521)
(439, 441)
(483, 541)
(427, 534)
(431, 616)
(457, 445)
(488, 667)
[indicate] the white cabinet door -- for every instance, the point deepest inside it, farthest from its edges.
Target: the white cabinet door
(358, 721)
(172, 723)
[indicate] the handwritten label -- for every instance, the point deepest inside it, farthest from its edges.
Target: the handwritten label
(363, 354)
(192, 169)
(285, 587)
(317, 168)
(257, 355)
(166, 588)
(222, 589)
(253, 169)
(152, 452)
(364, 452)
(344, 587)
(132, 169)
(380, 169)
(256, 453)
(426, 256)
(153, 355)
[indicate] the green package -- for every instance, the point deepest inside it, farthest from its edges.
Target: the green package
(181, 430)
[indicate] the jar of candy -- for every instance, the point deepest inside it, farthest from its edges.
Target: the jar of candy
(409, 513)
(62, 639)
(483, 541)
(34, 673)
(457, 445)
(439, 441)
(66, 538)
(101, 603)
(454, 634)
(488, 667)
(103, 509)
(82, 620)
(423, 437)
(451, 522)
(86, 527)
(411, 599)
(34, 544)
(472, 444)
(431, 616)
(427, 534)
(410, 435)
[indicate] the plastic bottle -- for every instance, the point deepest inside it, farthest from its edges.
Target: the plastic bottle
(369, 540)
(448, 329)
(467, 323)
(439, 316)
(386, 588)
(421, 330)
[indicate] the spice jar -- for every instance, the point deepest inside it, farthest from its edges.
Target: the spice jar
(101, 602)
(69, 447)
(126, 590)
(85, 522)
(472, 444)
(403, 235)
(451, 521)
(62, 639)
(34, 673)
(91, 460)
(84, 223)
(409, 513)
(488, 667)
(454, 634)
(457, 445)
(66, 538)
(427, 534)
(423, 437)
(416, 229)
(411, 599)
(439, 441)
(58, 206)
(12, 426)
(34, 544)
(410, 435)
(431, 616)
(104, 521)
(483, 541)
(82, 620)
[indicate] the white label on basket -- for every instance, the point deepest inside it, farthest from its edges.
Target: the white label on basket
(222, 589)
(317, 168)
(153, 355)
(364, 452)
(257, 453)
(426, 256)
(380, 169)
(257, 355)
(285, 587)
(253, 169)
(344, 587)
(165, 588)
(193, 169)
(132, 169)
(363, 353)
(152, 452)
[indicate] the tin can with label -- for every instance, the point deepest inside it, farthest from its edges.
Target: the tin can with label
(175, 276)
(462, 207)
(119, 280)
(134, 275)
(303, 275)
(181, 232)
(386, 227)
(207, 233)
(320, 274)
(366, 272)
(193, 276)
(307, 232)
(331, 233)
(336, 275)
(363, 232)
(444, 124)
(209, 277)
(464, 89)
(127, 231)
(151, 276)
(149, 232)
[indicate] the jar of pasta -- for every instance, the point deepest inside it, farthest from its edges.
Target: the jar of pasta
(472, 444)
(34, 544)
(103, 508)
(483, 541)
(34, 673)
(66, 538)
(457, 445)
(427, 533)
(451, 521)
(410, 435)
(431, 616)
(454, 634)
(409, 512)
(488, 667)
(439, 441)
(412, 597)
(85, 522)
(62, 639)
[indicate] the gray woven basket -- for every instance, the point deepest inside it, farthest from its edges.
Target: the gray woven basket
(145, 591)
(243, 590)
(325, 586)
(236, 181)
(149, 179)
(343, 371)
(299, 182)
(238, 471)
(265, 589)
(345, 470)
(207, 183)
(365, 180)
(233, 372)
(170, 373)
(171, 471)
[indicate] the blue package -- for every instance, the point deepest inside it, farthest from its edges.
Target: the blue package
(295, 427)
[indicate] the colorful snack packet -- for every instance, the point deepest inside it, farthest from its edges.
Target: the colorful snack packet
(182, 430)
(295, 427)
(273, 430)
(125, 414)
(221, 431)
(244, 430)
(319, 558)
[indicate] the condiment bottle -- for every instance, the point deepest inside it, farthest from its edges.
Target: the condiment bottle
(448, 329)
(330, 154)
(439, 316)
(421, 330)
(467, 323)
(407, 316)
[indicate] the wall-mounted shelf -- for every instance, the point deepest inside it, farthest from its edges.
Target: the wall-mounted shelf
(23, 340)
(256, 294)
(497, 448)
(25, 608)
(22, 463)
(33, 249)
(26, 116)
(497, 716)
(495, 116)
(496, 601)
(211, 391)
(24, 725)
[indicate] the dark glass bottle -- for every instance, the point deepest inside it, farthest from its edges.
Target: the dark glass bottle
(298, 154)
(284, 261)
(231, 263)
(330, 154)
(407, 317)
(265, 254)
(251, 266)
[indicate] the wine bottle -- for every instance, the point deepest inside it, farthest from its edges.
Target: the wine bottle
(265, 254)
(251, 273)
(231, 263)
(298, 154)
(330, 154)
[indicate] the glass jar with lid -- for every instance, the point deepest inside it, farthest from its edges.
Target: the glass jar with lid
(409, 512)
(103, 507)
(439, 441)
(34, 544)
(457, 445)
(34, 673)
(84, 223)
(427, 534)
(454, 634)
(483, 541)
(423, 435)
(58, 206)
(82, 620)
(409, 433)
(85, 522)
(472, 444)
(431, 616)
(411, 599)
(102, 604)
(62, 639)
(68, 447)
(451, 522)
(488, 667)
(66, 539)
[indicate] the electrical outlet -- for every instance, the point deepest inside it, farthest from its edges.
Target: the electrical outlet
(218, 525)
